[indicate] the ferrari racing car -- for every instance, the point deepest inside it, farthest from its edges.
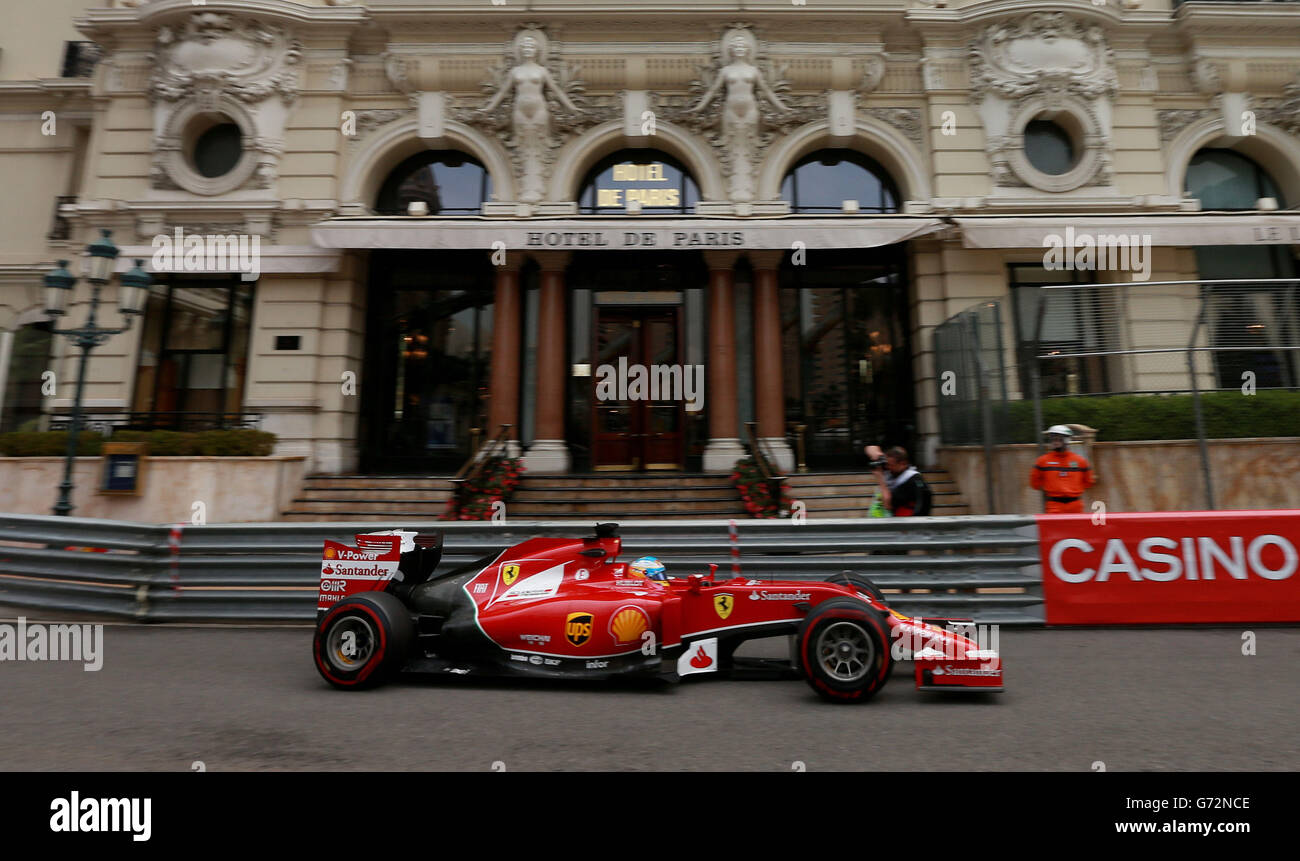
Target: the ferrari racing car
(567, 608)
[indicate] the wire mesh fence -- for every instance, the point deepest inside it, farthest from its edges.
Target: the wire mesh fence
(1155, 360)
(974, 403)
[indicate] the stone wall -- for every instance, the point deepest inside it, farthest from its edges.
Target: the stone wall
(232, 489)
(1158, 475)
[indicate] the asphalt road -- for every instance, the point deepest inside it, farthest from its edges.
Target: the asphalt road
(250, 699)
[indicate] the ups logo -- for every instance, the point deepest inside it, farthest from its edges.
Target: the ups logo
(577, 628)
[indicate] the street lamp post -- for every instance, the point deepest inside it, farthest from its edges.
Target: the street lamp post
(100, 257)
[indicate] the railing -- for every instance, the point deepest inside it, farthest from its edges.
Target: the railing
(763, 460)
(177, 421)
(480, 460)
(985, 568)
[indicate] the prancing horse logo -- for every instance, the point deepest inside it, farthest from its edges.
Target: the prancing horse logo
(509, 574)
(723, 602)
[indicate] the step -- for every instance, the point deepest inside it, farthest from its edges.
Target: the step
(625, 492)
(634, 480)
(518, 509)
(558, 496)
(405, 508)
(344, 517)
(398, 497)
(365, 482)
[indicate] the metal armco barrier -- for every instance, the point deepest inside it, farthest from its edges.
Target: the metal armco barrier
(986, 568)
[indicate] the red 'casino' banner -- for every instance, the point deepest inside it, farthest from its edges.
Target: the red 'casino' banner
(1171, 567)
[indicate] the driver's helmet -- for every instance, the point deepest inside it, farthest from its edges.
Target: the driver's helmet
(648, 567)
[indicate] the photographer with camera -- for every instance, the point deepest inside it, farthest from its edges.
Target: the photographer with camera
(902, 490)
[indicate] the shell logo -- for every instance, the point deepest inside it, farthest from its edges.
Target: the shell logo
(628, 624)
(329, 553)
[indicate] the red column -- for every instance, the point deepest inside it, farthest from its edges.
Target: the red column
(769, 392)
(724, 447)
(504, 392)
(549, 453)
(550, 351)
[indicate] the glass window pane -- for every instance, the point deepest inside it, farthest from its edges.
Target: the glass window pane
(1048, 147)
(1223, 179)
(654, 179)
(198, 318)
(449, 182)
(822, 181)
(218, 149)
(28, 359)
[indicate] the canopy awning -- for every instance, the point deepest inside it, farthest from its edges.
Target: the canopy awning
(632, 233)
(1181, 229)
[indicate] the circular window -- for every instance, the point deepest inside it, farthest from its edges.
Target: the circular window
(1048, 147)
(217, 150)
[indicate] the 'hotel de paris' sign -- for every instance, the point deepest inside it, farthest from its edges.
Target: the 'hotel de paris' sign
(619, 233)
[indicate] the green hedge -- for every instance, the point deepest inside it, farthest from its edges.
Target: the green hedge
(1227, 415)
(213, 443)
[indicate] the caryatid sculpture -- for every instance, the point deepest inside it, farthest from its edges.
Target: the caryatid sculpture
(741, 115)
(530, 121)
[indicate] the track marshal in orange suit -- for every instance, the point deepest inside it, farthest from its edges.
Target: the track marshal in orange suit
(1061, 474)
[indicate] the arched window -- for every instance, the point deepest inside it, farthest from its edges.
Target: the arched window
(823, 180)
(450, 182)
(651, 178)
(1224, 179)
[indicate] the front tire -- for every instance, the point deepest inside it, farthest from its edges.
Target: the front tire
(858, 583)
(363, 640)
(843, 650)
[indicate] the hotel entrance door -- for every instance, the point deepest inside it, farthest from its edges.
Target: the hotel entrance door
(637, 389)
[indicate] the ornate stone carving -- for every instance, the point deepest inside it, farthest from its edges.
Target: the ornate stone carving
(1284, 112)
(906, 120)
(1046, 62)
(750, 114)
(1046, 52)
(1205, 77)
(218, 63)
(369, 120)
(534, 101)
(1174, 120)
(873, 73)
(215, 54)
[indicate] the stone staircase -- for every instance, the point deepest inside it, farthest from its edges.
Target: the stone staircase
(596, 496)
(849, 494)
(369, 498)
(641, 496)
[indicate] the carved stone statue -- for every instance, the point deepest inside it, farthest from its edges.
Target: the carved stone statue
(530, 81)
(741, 134)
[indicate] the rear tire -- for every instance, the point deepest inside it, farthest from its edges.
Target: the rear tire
(363, 640)
(843, 651)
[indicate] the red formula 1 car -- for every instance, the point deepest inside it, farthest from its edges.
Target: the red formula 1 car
(566, 608)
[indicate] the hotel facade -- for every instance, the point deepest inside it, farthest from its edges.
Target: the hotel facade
(400, 226)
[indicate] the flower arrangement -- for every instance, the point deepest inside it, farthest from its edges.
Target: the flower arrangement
(755, 492)
(496, 483)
